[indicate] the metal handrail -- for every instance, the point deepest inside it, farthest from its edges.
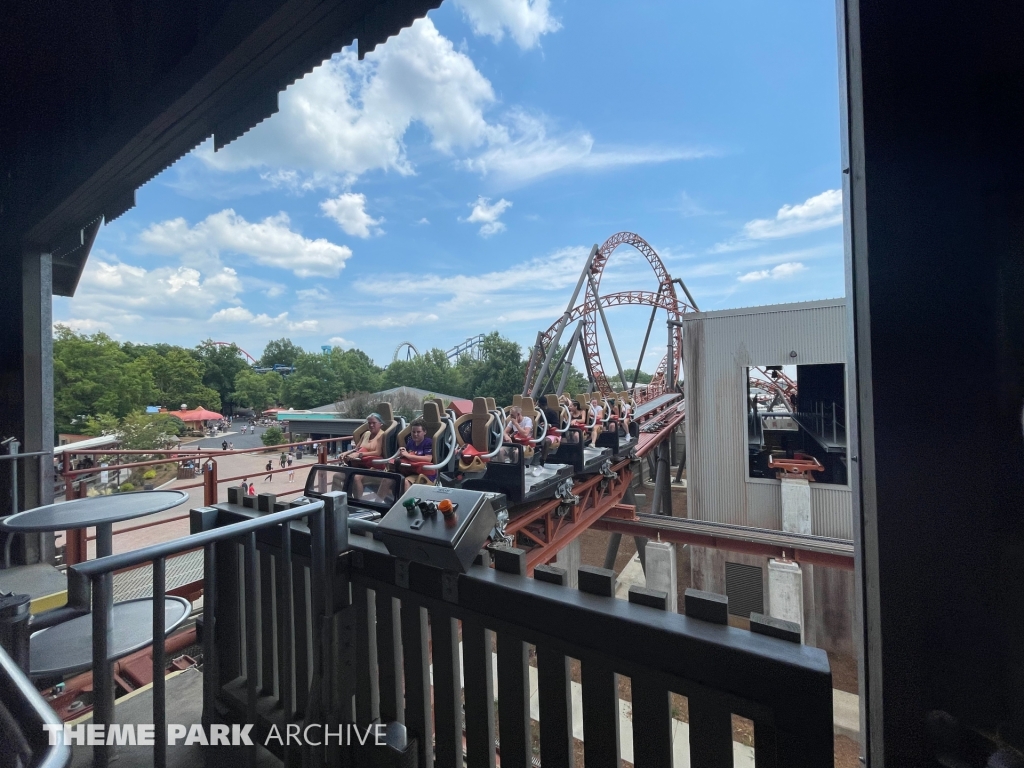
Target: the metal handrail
(92, 579)
(31, 715)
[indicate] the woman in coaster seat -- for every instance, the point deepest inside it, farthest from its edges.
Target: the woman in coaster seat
(418, 452)
(371, 444)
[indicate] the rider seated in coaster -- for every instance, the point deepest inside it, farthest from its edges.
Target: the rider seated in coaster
(596, 415)
(577, 419)
(519, 428)
(418, 452)
(553, 437)
(624, 413)
(371, 443)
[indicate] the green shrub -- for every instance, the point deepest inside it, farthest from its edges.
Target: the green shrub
(126, 487)
(149, 474)
(272, 436)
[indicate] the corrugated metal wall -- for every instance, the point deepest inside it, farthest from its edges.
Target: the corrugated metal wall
(718, 347)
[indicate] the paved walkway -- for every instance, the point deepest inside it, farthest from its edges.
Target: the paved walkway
(251, 466)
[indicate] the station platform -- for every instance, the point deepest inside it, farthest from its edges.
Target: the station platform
(45, 585)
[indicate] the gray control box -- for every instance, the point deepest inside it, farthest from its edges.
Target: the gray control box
(417, 528)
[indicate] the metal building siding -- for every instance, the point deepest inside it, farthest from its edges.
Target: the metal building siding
(717, 349)
(764, 504)
(831, 511)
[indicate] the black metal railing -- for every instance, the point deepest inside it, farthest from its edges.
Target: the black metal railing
(303, 627)
(24, 718)
(90, 583)
(409, 617)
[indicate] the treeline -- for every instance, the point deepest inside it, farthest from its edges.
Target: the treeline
(101, 380)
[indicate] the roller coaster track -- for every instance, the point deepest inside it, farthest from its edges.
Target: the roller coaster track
(593, 302)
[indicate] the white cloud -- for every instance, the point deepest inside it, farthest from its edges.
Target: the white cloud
(460, 293)
(243, 315)
(780, 272)
(815, 213)
(270, 242)
(525, 20)
(349, 211)
(339, 341)
(348, 117)
(424, 220)
(525, 151)
(116, 295)
(232, 315)
(313, 294)
(489, 215)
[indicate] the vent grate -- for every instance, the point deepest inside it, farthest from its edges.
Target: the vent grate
(744, 586)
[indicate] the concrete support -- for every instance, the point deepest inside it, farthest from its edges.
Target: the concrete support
(569, 558)
(661, 570)
(786, 592)
(796, 506)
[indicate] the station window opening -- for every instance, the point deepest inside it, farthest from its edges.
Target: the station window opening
(797, 413)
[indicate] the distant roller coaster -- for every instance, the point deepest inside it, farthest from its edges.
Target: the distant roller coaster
(470, 346)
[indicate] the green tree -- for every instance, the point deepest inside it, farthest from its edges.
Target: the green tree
(179, 380)
(499, 372)
(322, 378)
(221, 364)
(256, 390)
(93, 375)
(280, 352)
(272, 436)
(146, 431)
(431, 371)
(102, 424)
(642, 378)
(355, 370)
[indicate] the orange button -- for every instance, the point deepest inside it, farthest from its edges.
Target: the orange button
(445, 507)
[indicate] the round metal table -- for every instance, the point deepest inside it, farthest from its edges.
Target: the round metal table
(65, 649)
(99, 511)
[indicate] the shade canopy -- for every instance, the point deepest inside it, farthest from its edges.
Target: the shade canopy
(197, 414)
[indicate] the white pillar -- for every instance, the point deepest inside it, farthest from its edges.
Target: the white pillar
(661, 570)
(569, 558)
(786, 592)
(796, 506)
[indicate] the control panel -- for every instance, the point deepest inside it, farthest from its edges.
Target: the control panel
(443, 527)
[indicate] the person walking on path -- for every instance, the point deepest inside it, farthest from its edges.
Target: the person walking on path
(291, 472)
(245, 487)
(284, 460)
(224, 445)
(252, 489)
(270, 470)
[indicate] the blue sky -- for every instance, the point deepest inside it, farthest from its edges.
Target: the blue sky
(454, 181)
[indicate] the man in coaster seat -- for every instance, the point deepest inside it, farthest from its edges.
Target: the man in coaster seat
(370, 446)
(418, 452)
(519, 428)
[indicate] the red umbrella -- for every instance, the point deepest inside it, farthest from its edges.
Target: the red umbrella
(197, 414)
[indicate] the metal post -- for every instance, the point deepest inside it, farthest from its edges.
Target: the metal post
(670, 373)
(607, 329)
(647, 336)
(569, 358)
(12, 450)
(538, 350)
(102, 675)
(159, 662)
(546, 386)
(612, 551)
(209, 483)
(564, 320)
(687, 292)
